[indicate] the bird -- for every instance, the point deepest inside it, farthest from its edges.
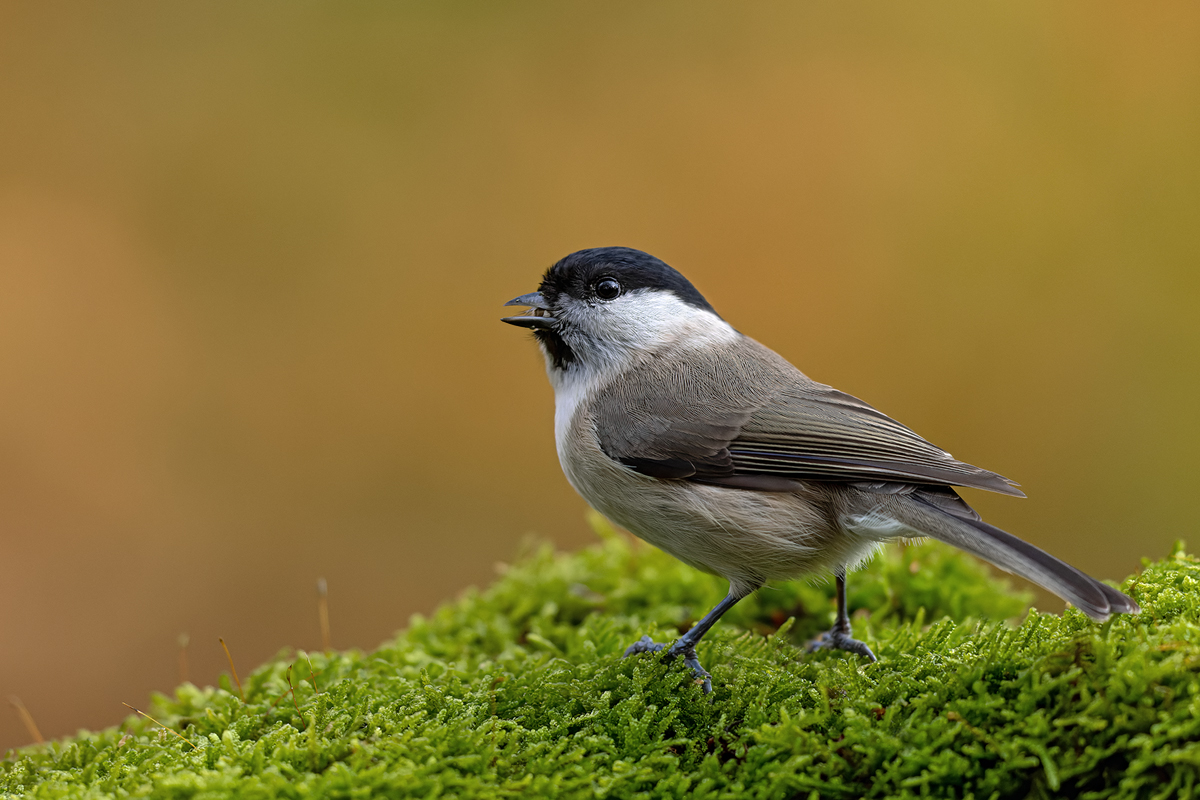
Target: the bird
(715, 449)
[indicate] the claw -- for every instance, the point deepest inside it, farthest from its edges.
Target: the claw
(693, 663)
(841, 640)
(690, 660)
(643, 645)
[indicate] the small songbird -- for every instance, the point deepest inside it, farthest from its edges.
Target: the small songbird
(710, 446)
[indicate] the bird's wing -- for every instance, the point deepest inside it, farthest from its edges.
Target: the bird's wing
(818, 433)
(752, 420)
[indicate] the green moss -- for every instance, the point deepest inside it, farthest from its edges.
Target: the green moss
(521, 691)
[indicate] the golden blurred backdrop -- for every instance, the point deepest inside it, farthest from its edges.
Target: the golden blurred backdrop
(253, 258)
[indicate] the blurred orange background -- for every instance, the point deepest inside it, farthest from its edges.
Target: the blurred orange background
(253, 260)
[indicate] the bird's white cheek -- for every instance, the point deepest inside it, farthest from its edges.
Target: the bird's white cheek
(640, 321)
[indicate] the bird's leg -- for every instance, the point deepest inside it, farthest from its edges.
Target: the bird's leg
(686, 645)
(838, 637)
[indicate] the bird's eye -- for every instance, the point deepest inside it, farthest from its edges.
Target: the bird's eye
(607, 288)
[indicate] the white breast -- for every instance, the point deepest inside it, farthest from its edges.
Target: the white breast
(570, 392)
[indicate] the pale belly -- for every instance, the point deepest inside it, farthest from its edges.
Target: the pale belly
(746, 536)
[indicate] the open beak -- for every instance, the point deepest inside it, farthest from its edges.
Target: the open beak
(538, 315)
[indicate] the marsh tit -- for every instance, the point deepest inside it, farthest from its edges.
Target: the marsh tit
(708, 445)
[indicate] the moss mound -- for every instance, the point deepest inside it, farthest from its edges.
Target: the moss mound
(521, 691)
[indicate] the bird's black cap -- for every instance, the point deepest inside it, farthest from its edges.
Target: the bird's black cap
(633, 269)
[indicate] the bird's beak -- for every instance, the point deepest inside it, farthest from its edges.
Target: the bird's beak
(538, 315)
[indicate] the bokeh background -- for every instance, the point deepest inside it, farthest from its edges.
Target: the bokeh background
(252, 258)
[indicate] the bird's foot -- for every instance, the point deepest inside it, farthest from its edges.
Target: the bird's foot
(840, 639)
(643, 645)
(687, 651)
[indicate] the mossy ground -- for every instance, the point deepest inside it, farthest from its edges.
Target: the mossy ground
(520, 691)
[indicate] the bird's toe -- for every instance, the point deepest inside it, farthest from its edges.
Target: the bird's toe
(685, 651)
(838, 640)
(643, 645)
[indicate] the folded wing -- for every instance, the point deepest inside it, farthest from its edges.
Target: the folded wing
(752, 420)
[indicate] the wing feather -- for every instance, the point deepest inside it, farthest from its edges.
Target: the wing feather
(753, 420)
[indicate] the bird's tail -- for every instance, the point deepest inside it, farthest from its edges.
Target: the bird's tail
(967, 532)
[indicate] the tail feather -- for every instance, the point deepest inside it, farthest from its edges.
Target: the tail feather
(1011, 554)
